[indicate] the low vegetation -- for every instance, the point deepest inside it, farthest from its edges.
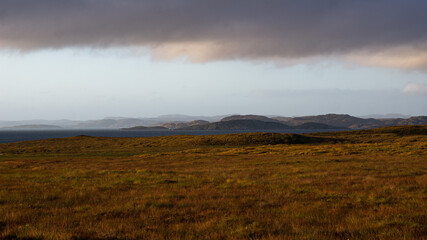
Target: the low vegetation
(368, 184)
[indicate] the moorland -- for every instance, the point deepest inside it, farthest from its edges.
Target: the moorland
(365, 184)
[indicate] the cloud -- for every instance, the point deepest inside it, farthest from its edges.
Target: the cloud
(406, 57)
(373, 32)
(415, 89)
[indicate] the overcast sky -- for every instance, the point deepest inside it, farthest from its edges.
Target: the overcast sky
(88, 59)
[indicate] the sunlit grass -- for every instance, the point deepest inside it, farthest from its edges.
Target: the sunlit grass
(349, 185)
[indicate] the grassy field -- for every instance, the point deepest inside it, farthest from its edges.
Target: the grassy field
(348, 185)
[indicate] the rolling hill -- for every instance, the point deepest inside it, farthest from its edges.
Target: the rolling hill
(243, 124)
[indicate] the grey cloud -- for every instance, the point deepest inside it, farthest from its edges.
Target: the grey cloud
(220, 29)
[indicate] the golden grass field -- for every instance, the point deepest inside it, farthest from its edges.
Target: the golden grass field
(368, 184)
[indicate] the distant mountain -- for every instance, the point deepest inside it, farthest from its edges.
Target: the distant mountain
(169, 121)
(249, 124)
(177, 125)
(338, 120)
(33, 127)
(185, 118)
(249, 117)
(284, 120)
(62, 123)
(111, 123)
(347, 121)
(314, 125)
(386, 116)
(182, 121)
(146, 128)
(419, 120)
(244, 124)
(281, 119)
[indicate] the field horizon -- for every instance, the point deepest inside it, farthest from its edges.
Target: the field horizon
(363, 184)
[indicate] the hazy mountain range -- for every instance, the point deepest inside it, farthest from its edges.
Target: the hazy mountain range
(110, 122)
(253, 124)
(328, 121)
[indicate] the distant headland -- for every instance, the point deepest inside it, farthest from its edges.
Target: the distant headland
(225, 122)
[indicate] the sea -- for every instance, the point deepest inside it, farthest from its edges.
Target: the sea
(8, 136)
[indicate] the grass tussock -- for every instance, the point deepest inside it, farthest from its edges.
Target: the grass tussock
(348, 185)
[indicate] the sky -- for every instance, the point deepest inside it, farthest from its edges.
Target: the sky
(90, 59)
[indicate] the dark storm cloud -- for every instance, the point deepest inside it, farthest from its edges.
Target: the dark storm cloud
(222, 29)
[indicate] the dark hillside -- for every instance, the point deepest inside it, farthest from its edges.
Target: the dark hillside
(419, 120)
(177, 125)
(249, 117)
(339, 120)
(314, 125)
(239, 125)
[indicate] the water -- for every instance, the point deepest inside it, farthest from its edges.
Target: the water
(7, 136)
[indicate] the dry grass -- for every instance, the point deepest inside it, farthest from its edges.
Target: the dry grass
(348, 185)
